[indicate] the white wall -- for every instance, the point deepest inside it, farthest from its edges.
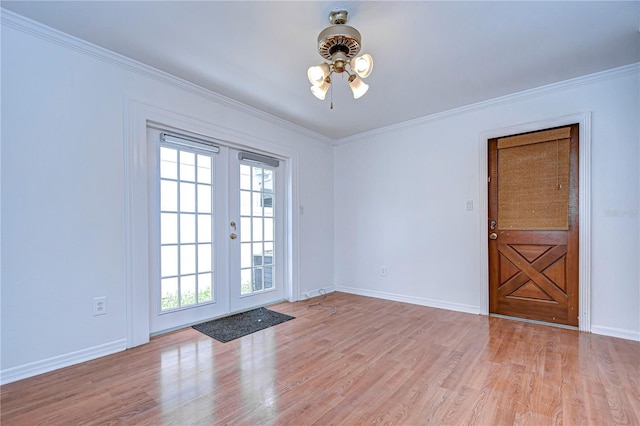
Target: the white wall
(400, 200)
(63, 190)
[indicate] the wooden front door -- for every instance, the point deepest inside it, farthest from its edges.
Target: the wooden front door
(533, 225)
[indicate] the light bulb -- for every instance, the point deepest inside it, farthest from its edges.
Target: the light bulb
(362, 65)
(318, 73)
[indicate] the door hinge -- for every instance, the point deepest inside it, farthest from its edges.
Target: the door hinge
(489, 179)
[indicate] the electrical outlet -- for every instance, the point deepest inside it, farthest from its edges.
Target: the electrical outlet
(99, 305)
(469, 204)
(383, 271)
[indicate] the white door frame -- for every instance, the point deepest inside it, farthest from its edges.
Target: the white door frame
(137, 116)
(584, 147)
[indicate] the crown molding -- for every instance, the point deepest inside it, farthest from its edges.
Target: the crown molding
(37, 29)
(514, 97)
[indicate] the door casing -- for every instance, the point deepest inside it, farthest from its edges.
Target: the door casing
(138, 115)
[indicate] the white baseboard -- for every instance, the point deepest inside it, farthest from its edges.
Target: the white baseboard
(458, 307)
(20, 372)
(616, 332)
(319, 292)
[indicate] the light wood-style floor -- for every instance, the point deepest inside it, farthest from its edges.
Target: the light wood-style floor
(373, 362)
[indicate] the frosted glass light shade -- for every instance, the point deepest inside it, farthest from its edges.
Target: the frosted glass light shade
(358, 87)
(362, 65)
(318, 73)
(320, 91)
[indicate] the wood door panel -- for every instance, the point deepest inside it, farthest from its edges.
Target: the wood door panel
(531, 251)
(533, 272)
(535, 310)
(530, 272)
(531, 291)
(557, 273)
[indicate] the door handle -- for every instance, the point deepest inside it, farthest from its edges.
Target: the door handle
(233, 236)
(493, 236)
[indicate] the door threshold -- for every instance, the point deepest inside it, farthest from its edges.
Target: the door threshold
(552, 324)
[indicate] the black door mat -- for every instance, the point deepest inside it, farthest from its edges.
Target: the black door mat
(232, 327)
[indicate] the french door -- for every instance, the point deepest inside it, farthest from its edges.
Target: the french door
(215, 230)
(256, 207)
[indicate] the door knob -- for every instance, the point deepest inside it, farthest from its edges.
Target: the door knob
(493, 236)
(233, 236)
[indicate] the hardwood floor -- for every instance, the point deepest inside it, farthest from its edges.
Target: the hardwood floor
(373, 362)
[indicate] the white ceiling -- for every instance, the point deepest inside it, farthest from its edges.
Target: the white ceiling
(429, 56)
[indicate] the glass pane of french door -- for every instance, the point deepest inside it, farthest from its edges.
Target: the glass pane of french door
(186, 236)
(257, 229)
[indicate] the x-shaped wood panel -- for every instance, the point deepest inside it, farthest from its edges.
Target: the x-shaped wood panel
(531, 271)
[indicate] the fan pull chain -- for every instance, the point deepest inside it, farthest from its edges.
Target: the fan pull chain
(331, 95)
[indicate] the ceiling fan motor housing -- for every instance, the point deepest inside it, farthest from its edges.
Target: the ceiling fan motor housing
(339, 40)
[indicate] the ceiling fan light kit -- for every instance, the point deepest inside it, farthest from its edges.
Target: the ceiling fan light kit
(339, 44)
